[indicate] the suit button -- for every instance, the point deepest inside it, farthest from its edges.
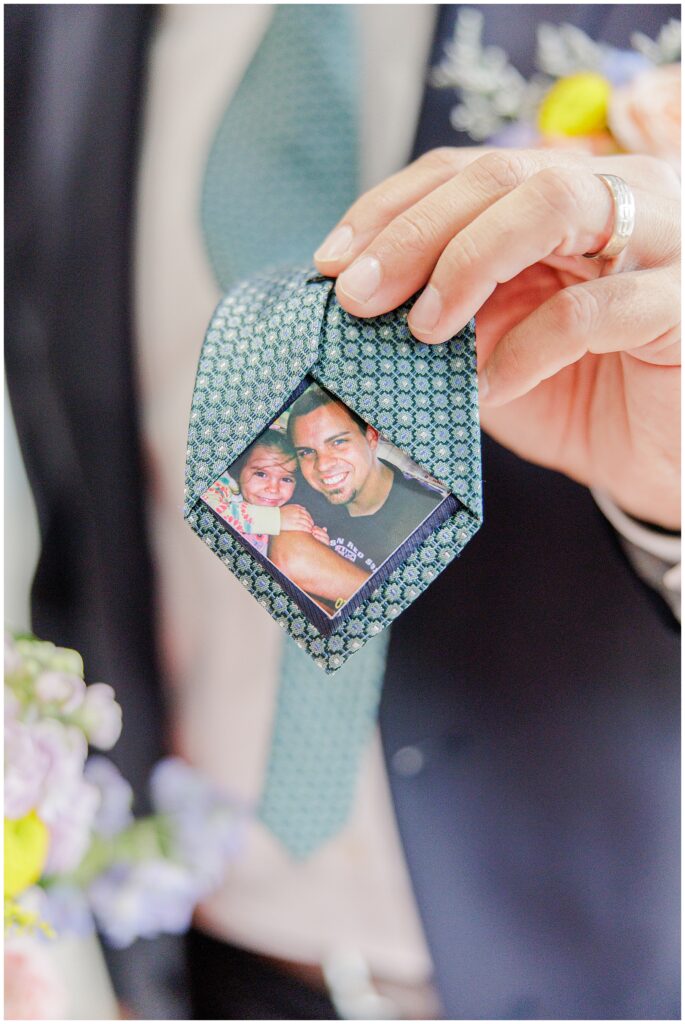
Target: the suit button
(407, 761)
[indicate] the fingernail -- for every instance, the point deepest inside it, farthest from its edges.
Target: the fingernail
(361, 280)
(335, 245)
(427, 310)
(483, 385)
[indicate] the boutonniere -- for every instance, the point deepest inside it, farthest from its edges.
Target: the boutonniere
(584, 94)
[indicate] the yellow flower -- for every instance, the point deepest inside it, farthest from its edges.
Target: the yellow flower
(576, 105)
(26, 848)
(20, 920)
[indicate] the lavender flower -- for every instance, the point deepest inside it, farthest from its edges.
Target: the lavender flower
(175, 787)
(518, 134)
(116, 796)
(206, 828)
(143, 900)
(61, 905)
(622, 66)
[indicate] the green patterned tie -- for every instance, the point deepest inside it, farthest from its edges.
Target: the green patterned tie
(321, 727)
(284, 164)
(282, 170)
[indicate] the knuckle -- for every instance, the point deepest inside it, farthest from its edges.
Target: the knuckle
(463, 253)
(501, 170)
(576, 311)
(376, 206)
(384, 202)
(444, 157)
(560, 188)
(512, 365)
(414, 233)
(656, 173)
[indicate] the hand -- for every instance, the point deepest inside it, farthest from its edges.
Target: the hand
(296, 517)
(320, 533)
(578, 366)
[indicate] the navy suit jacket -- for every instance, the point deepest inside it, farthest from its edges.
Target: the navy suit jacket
(535, 683)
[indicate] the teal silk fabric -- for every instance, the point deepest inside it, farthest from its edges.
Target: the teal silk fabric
(283, 167)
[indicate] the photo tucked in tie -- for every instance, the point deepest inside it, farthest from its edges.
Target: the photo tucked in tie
(333, 463)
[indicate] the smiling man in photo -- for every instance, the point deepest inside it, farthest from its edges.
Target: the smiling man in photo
(367, 505)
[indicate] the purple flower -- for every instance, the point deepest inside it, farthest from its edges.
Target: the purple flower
(516, 135)
(622, 66)
(143, 900)
(206, 826)
(175, 787)
(116, 796)
(65, 908)
(207, 844)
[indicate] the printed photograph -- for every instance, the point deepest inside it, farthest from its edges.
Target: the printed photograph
(325, 501)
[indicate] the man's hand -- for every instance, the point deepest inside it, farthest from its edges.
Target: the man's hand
(578, 364)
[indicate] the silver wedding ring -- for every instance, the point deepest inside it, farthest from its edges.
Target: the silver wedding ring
(624, 218)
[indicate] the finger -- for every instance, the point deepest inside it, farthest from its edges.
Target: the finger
(399, 259)
(374, 210)
(638, 313)
(302, 511)
(559, 212)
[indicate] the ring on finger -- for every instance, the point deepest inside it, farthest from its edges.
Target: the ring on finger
(624, 218)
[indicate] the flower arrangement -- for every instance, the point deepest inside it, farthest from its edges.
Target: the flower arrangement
(76, 858)
(584, 94)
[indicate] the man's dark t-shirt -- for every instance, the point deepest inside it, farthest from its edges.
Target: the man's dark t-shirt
(369, 540)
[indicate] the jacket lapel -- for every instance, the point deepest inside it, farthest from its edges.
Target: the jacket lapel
(499, 682)
(72, 132)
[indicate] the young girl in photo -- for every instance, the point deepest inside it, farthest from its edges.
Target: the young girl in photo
(253, 497)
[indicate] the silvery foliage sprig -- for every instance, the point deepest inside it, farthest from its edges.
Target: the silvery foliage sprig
(493, 93)
(665, 49)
